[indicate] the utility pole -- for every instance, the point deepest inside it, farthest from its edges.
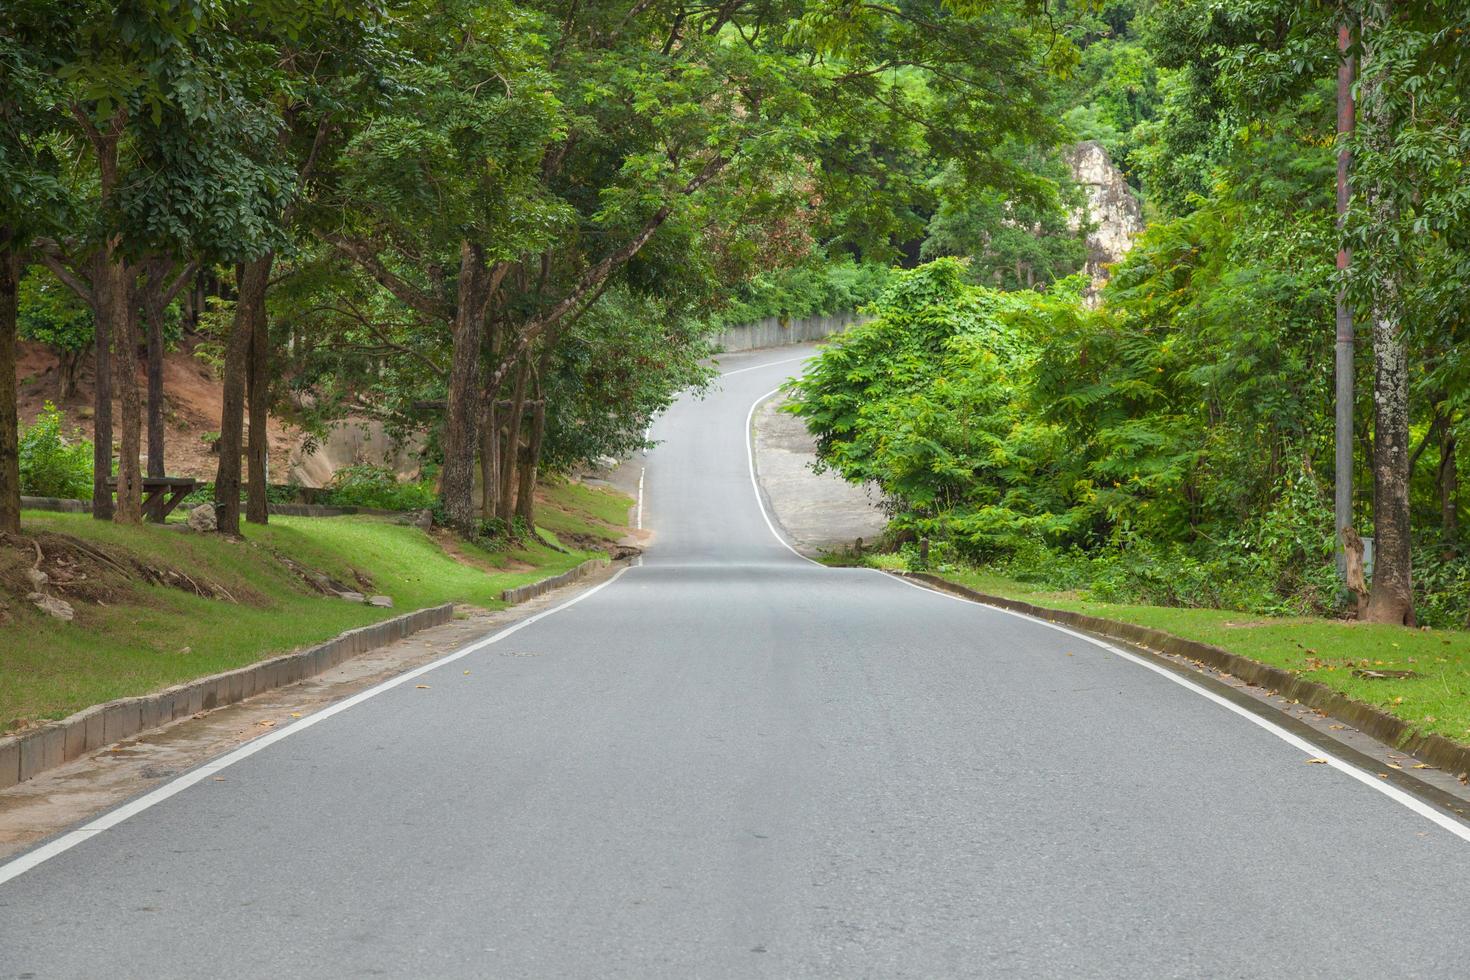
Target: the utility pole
(1343, 509)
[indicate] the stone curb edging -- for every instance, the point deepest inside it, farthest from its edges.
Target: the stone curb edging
(68, 506)
(1436, 750)
(530, 591)
(27, 754)
(61, 505)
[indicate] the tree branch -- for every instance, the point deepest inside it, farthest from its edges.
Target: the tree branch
(367, 259)
(591, 281)
(71, 280)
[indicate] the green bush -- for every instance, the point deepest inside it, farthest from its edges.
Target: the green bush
(810, 290)
(51, 466)
(366, 485)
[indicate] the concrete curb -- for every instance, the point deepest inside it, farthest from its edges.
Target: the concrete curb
(523, 592)
(25, 755)
(61, 505)
(1436, 750)
(67, 506)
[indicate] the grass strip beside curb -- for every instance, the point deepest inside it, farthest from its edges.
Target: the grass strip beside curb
(32, 752)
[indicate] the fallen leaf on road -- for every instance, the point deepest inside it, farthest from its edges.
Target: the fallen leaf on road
(219, 779)
(1317, 762)
(267, 723)
(1422, 765)
(1337, 728)
(295, 714)
(467, 673)
(422, 687)
(1394, 765)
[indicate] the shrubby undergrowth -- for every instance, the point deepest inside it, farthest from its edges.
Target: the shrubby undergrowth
(50, 464)
(817, 289)
(366, 485)
(1146, 452)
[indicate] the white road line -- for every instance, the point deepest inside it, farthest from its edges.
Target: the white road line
(641, 474)
(757, 367)
(755, 483)
(1426, 811)
(25, 862)
(1445, 821)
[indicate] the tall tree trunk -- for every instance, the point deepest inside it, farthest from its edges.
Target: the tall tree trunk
(71, 369)
(251, 297)
(1392, 597)
(1449, 489)
(125, 364)
(510, 457)
(153, 313)
(102, 319)
(257, 510)
(457, 481)
(9, 417)
(489, 456)
(526, 498)
(530, 462)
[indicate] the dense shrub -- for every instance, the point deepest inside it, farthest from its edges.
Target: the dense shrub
(366, 485)
(820, 289)
(1072, 448)
(51, 465)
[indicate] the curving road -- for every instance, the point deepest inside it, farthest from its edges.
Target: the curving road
(730, 762)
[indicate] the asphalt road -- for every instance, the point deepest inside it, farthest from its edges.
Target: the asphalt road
(730, 762)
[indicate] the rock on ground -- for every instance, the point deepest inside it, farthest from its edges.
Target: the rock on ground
(52, 606)
(202, 518)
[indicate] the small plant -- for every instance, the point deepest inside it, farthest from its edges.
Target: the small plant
(50, 466)
(366, 485)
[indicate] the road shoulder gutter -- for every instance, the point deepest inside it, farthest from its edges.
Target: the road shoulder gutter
(1378, 743)
(27, 754)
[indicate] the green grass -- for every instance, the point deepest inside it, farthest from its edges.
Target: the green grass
(577, 509)
(1323, 650)
(147, 637)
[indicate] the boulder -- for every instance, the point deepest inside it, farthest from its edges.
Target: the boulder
(52, 606)
(37, 578)
(202, 518)
(386, 602)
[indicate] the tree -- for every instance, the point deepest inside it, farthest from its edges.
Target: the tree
(31, 202)
(166, 170)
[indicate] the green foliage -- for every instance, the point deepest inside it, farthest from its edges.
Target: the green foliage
(366, 485)
(51, 314)
(813, 289)
(50, 465)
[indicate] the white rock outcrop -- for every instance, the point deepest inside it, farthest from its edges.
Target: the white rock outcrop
(1113, 212)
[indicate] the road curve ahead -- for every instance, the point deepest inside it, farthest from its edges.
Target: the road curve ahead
(730, 762)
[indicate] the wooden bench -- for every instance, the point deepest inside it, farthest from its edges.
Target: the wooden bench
(161, 494)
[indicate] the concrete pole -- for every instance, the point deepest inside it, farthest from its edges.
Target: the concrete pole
(1343, 508)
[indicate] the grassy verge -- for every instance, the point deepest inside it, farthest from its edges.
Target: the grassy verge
(1323, 650)
(131, 636)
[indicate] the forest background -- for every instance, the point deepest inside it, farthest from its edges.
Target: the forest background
(515, 227)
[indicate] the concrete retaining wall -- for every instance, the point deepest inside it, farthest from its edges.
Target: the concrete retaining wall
(24, 755)
(59, 504)
(771, 332)
(531, 591)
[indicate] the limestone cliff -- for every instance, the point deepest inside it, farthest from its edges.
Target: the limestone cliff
(1113, 212)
